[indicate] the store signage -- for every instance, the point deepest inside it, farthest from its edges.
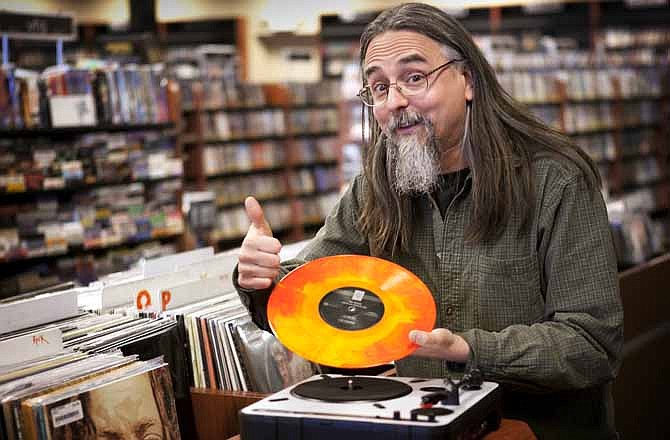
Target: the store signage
(38, 26)
(645, 3)
(543, 8)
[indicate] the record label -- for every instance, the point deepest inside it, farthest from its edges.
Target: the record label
(351, 308)
(350, 311)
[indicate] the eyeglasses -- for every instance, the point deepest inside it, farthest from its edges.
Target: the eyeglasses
(410, 85)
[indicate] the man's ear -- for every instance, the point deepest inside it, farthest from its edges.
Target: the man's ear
(469, 87)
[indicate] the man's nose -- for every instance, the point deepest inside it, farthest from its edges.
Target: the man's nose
(395, 98)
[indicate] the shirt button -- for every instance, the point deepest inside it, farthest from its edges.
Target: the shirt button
(450, 311)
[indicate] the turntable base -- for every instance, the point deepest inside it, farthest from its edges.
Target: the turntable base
(509, 429)
(352, 415)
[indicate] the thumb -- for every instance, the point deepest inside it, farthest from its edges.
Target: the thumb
(419, 337)
(256, 216)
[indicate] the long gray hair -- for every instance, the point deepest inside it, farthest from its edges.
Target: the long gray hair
(503, 138)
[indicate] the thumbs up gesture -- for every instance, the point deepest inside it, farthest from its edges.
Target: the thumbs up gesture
(259, 256)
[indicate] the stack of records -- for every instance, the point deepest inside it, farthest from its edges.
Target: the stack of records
(80, 396)
(229, 352)
(139, 339)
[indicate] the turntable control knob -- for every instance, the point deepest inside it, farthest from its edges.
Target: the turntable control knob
(473, 380)
(396, 415)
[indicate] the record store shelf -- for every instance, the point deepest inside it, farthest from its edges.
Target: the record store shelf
(7, 263)
(18, 195)
(73, 131)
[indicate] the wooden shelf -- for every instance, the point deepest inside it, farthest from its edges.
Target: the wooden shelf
(278, 97)
(240, 203)
(313, 105)
(641, 388)
(74, 131)
(316, 163)
(596, 100)
(251, 171)
(191, 139)
(325, 133)
(601, 130)
(229, 109)
(79, 250)
(215, 412)
(7, 195)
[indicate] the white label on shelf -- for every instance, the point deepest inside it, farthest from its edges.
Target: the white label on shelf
(72, 110)
(68, 413)
(150, 293)
(38, 310)
(31, 346)
(645, 3)
(168, 263)
(53, 183)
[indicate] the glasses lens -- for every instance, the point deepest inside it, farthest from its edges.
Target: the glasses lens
(366, 96)
(413, 85)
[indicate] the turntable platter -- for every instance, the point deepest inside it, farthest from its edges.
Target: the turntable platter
(351, 389)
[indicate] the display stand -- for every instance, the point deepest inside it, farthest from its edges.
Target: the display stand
(215, 412)
(642, 386)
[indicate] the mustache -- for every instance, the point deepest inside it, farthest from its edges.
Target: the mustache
(406, 117)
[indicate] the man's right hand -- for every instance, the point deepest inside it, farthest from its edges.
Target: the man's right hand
(259, 256)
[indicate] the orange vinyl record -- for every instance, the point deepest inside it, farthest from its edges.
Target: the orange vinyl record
(350, 311)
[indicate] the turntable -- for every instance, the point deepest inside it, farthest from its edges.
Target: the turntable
(357, 407)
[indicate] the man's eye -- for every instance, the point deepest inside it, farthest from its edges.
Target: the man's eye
(414, 78)
(379, 88)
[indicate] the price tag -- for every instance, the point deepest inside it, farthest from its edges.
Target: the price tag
(66, 414)
(15, 183)
(72, 110)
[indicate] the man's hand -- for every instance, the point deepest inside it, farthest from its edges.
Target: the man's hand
(441, 344)
(259, 255)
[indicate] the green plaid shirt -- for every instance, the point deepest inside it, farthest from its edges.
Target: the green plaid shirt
(539, 308)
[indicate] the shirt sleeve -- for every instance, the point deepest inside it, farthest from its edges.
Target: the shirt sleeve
(579, 342)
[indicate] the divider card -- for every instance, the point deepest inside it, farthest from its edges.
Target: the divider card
(27, 347)
(170, 263)
(148, 294)
(38, 310)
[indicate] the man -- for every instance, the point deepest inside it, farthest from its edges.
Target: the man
(498, 214)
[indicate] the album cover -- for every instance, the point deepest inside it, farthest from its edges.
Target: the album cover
(135, 406)
(37, 366)
(14, 392)
(238, 367)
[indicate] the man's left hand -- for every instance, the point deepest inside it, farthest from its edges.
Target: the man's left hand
(440, 343)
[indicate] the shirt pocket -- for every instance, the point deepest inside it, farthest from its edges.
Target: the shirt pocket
(508, 292)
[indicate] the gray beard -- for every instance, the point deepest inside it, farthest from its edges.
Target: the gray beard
(413, 164)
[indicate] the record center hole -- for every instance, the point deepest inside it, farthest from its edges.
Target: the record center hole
(351, 387)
